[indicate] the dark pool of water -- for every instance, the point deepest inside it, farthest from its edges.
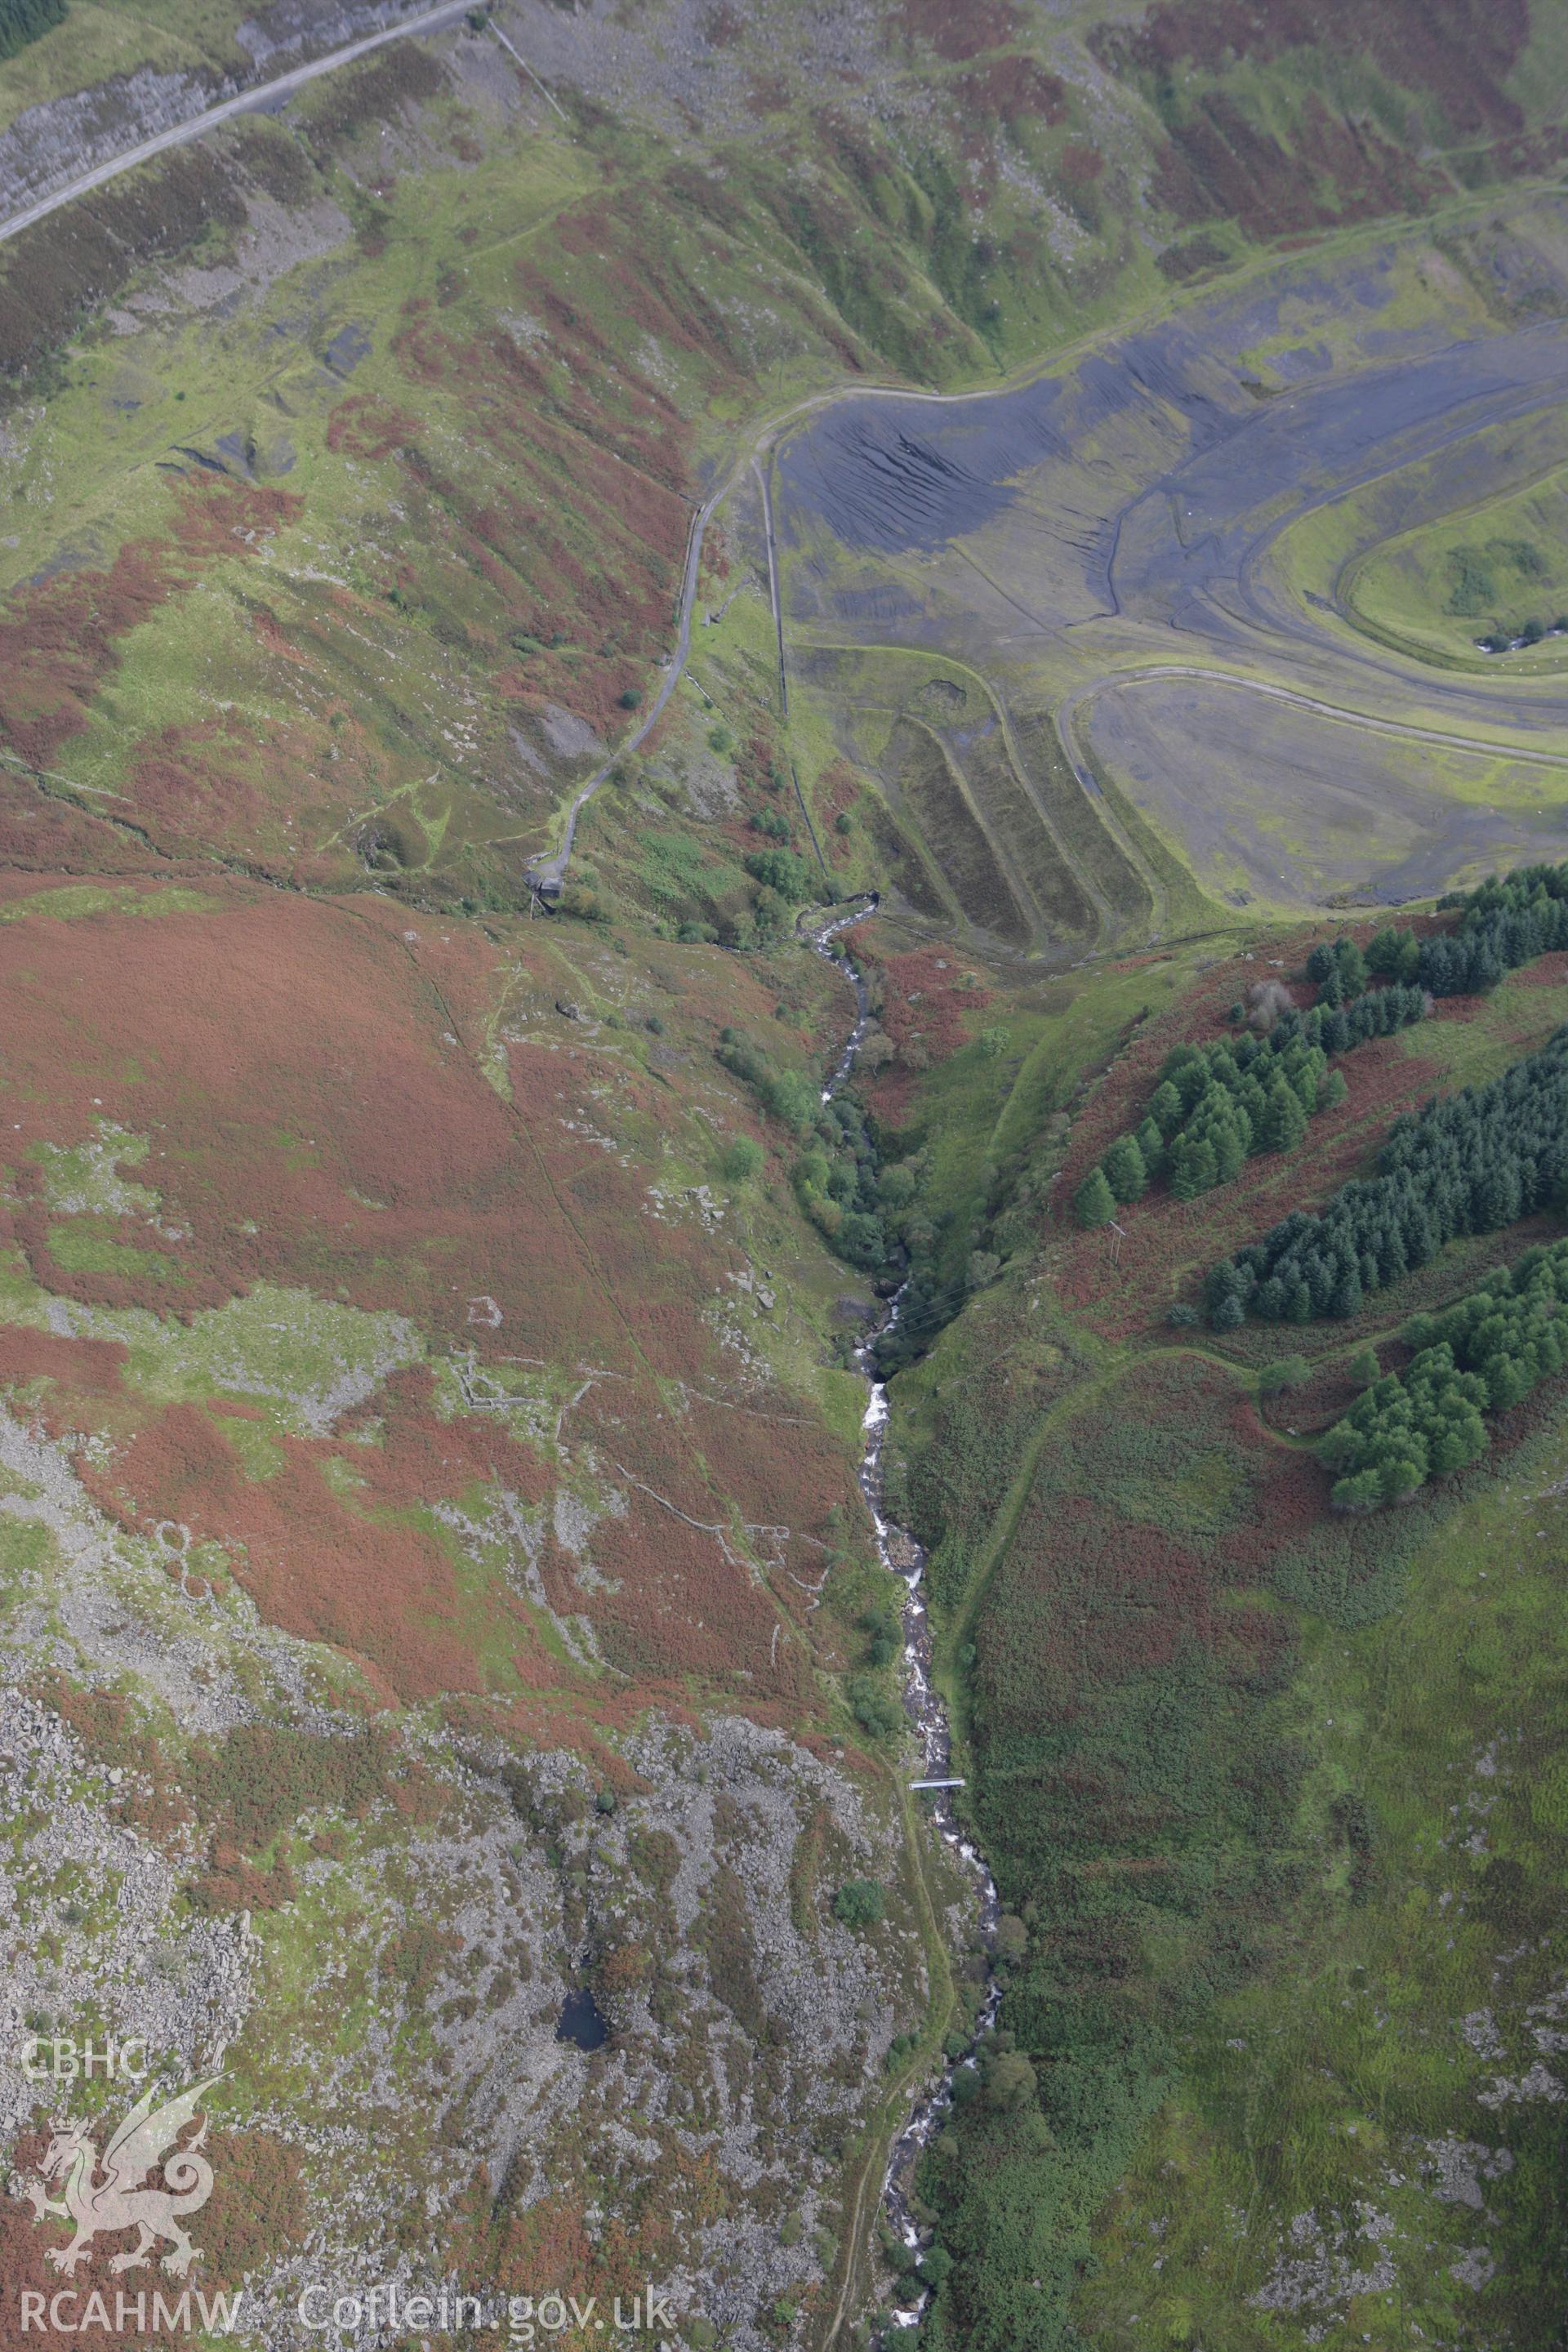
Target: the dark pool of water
(579, 2021)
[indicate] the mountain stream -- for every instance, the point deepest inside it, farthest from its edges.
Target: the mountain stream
(904, 1558)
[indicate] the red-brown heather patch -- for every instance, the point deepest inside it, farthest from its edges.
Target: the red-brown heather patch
(637, 1438)
(257, 2210)
(683, 1608)
(422, 1458)
(1080, 165)
(367, 1103)
(926, 1002)
(189, 786)
(82, 1368)
(41, 833)
(1007, 87)
(1546, 971)
(1220, 162)
(58, 635)
(1220, 166)
(928, 998)
(688, 1603)
(256, 2215)
(957, 33)
(1462, 51)
(177, 1278)
(385, 1593)
(783, 1469)
(309, 1068)
(515, 2248)
(365, 426)
(111, 1733)
(558, 1719)
(586, 537)
(229, 1881)
(276, 638)
(24, 2244)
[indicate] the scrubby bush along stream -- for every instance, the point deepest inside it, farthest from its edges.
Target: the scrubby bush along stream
(1470, 1164)
(868, 1212)
(1482, 1354)
(789, 1095)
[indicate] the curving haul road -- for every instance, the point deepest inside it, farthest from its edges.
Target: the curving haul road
(1108, 548)
(1123, 582)
(1000, 475)
(247, 102)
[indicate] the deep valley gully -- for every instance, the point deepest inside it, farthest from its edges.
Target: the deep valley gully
(903, 1557)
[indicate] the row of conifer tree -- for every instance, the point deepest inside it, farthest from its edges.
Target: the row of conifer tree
(1218, 1104)
(22, 21)
(1468, 1163)
(1482, 1354)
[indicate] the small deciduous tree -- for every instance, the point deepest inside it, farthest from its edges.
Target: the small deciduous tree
(1010, 2081)
(741, 1160)
(859, 1903)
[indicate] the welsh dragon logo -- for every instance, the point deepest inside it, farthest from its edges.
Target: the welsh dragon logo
(102, 2197)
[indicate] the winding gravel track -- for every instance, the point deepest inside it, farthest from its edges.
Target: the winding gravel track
(547, 873)
(1212, 585)
(247, 102)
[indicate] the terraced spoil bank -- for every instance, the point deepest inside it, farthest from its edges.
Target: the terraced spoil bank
(1064, 537)
(904, 1558)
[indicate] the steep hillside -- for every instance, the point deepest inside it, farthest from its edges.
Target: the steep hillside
(1267, 1787)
